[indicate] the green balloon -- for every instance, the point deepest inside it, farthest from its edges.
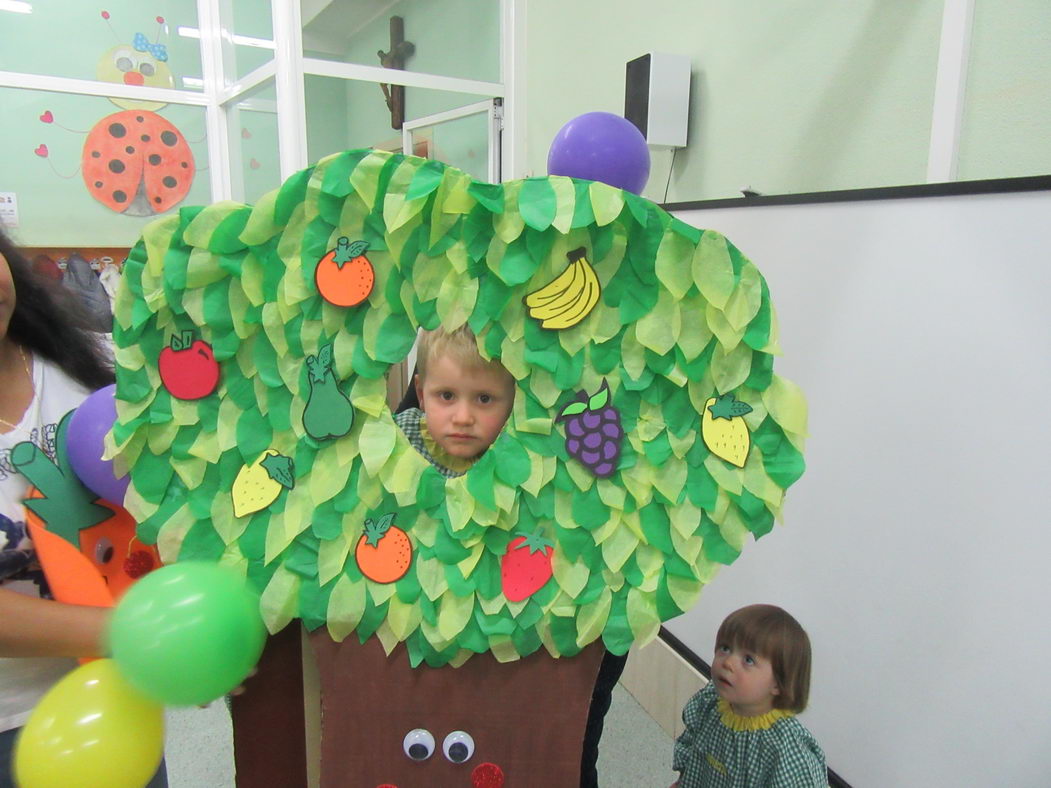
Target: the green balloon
(187, 633)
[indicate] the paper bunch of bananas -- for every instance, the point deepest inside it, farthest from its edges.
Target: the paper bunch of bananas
(569, 297)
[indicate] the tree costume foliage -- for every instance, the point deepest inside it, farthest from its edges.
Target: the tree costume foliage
(682, 317)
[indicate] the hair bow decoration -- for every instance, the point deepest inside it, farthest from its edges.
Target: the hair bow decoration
(142, 44)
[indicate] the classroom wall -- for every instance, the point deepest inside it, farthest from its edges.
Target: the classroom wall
(68, 39)
(804, 96)
(455, 38)
(915, 547)
(800, 96)
(1007, 115)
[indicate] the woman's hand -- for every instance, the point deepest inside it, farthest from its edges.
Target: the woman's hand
(42, 628)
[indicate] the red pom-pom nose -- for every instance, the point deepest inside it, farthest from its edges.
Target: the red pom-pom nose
(487, 775)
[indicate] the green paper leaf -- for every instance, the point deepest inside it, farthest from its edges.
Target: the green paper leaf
(512, 461)
(712, 270)
(490, 195)
(425, 180)
(537, 203)
(592, 618)
(394, 340)
(673, 264)
(606, 202)
(454, 613)
(642, 615)
(588, 509)
(517, 265)
(346, 605)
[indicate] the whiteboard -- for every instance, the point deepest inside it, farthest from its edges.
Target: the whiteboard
(916, 548)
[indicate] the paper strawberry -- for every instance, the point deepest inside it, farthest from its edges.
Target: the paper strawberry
(526, 565)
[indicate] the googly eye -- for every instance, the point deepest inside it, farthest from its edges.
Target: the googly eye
(418, 744)
(103, 550)
(458, 746)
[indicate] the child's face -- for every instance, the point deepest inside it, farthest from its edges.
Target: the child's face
(744, 679)
(466, 407)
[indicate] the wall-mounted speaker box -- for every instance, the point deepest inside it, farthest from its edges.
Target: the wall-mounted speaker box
(657, 98)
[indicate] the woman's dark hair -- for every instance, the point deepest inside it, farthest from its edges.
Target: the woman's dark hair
(49, 321)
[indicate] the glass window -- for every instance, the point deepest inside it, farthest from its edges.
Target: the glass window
(254, 144)
(132, 43)
(345, 114)
(252, 36)
(462, 142)
(328, 117)
(450, 38)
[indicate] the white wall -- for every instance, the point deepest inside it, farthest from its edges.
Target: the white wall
(916, 547)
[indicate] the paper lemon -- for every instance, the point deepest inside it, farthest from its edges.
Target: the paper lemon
(258, 485)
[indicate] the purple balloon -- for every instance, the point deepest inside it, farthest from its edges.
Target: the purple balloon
(601, 146)
(84, 445)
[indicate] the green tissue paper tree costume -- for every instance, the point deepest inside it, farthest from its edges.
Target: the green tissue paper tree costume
(683, 317)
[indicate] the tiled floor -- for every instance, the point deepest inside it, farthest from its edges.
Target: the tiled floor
(635, 752)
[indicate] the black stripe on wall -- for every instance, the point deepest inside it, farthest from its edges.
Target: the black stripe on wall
(950, 189)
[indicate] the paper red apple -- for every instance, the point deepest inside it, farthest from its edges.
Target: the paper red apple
(188, 367)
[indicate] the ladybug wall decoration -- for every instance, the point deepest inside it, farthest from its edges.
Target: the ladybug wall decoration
(135, 162)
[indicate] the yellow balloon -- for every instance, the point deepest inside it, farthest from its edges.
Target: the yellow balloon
(91, 730)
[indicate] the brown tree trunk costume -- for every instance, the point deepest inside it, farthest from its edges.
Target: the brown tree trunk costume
(526, 717)
(269, 731)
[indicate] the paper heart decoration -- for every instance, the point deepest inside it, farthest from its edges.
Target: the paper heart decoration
(246, 134)
(255, 165)
(47, 117)
(41, 150)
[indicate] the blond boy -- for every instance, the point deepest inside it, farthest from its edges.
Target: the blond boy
(464, 401)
